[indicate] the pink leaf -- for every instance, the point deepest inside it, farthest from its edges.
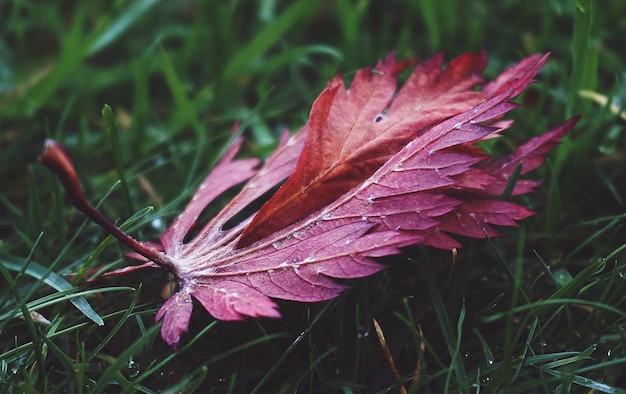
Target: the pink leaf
(373, 170)
(226, 174)
(232, 300)
(175, 313)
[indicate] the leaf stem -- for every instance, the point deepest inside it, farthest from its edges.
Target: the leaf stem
(57, 159)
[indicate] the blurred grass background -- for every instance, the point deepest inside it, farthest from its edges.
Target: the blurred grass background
(538, 310)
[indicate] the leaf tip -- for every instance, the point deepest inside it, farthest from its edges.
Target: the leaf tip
(56, 158)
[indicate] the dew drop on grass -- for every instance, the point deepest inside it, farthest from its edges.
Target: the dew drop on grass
(133, 368)
(157, 224)
(363, 332)
(158, 161)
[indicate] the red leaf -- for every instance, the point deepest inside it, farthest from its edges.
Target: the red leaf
(351, 133)
(373, 170)
(175, 313)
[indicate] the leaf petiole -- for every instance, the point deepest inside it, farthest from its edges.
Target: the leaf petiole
(57, 159)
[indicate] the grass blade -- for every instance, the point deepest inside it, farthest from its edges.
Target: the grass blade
(580, 49)
(264, 39)
(55, 281)
(451, 339)
(115, 29)
(111, 131)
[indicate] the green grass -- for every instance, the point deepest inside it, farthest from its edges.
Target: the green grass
(145, 95)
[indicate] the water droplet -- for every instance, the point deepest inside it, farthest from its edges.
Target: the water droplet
(490, 361)
(458, 125)
(18, 365)
(363, 332)
(133, 368)
(157, 224)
